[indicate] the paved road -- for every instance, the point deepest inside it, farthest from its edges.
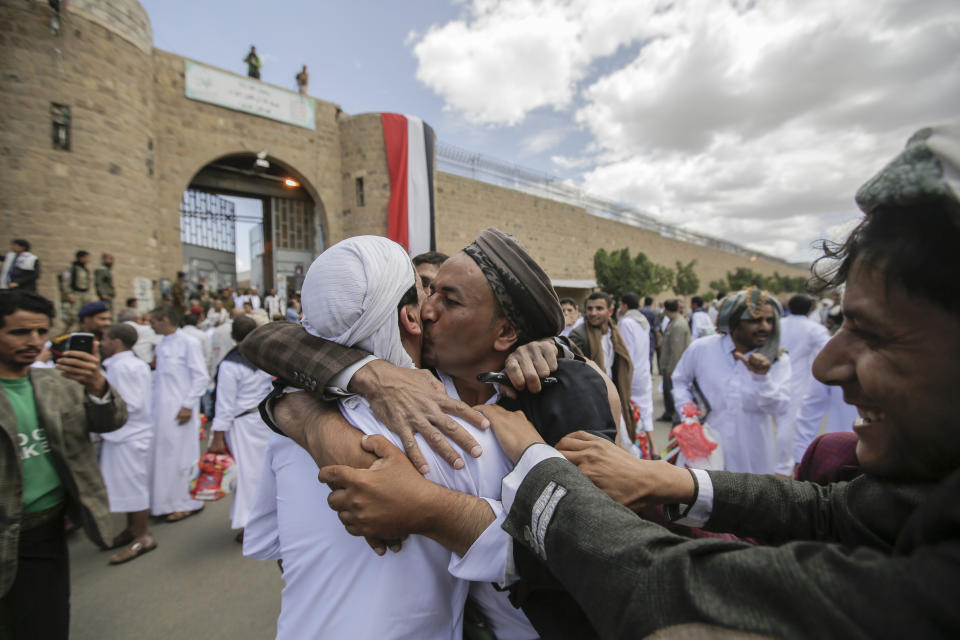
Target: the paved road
(195, 584)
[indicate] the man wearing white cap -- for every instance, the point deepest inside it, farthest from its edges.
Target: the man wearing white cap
(363, 292)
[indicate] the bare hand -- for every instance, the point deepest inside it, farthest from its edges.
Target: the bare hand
(84, 368)
(632, 482)
(756, 363)
(514, 432)
(412, 401)
(184, 415)
(219, 443)
(385, 502)
(531, 362)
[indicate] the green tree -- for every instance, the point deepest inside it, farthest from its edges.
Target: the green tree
(687, 283)
(720, 285)
(617, 273)
(745, 277)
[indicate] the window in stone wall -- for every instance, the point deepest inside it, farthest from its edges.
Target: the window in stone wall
(360, 196)
(60, 119)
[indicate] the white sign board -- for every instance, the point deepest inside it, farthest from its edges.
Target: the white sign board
(143, 292)
(248, 95)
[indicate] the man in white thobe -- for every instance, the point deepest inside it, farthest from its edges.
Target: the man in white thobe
(745, 379)
(272, 305)
(802, 338)
(216, 315)
(363, 292)
(700, 323)
(635, 331)
(237, 424)
(179, 382)
(821, 400)
(127, 453)
(221, 342)
(191, 327)
(147, 338)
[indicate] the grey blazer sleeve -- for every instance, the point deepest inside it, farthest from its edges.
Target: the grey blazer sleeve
(287, 351)
(633, 577)
(774, 510)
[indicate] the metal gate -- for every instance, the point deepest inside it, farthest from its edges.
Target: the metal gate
(208, 231)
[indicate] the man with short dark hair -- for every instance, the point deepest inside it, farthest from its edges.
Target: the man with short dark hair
(75, 288)
(873, 557)
(48, 467)
(103, 280)
(700, 323)
(271, 304)
(20, 267)
(635, 330)
(571, 315)
(676, 339)
(178, 294)
(237, 423)
(600, 340)
(127, 453)
(178, 383)
(427, 265)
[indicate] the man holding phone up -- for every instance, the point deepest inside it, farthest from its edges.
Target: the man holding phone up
(47, 466)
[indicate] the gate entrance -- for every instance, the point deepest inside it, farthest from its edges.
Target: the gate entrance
(284, 235)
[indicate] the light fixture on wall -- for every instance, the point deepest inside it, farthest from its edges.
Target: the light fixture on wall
(290, 182)
(261, 162)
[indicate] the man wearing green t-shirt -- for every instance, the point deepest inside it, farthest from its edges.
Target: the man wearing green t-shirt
(47, 466)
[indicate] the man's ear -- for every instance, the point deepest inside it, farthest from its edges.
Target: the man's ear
(506, 335)
(410, 319)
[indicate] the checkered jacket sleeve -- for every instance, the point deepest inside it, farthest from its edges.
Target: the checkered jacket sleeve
(285, 350)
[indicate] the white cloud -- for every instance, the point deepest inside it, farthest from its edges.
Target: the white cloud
(752, 121)
(543, 140)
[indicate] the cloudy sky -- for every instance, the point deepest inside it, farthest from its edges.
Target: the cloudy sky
(749, 120)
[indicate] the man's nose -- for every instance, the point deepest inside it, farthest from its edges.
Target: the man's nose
(835, 364)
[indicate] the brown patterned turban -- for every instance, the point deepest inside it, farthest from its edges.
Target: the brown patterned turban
(519, 285)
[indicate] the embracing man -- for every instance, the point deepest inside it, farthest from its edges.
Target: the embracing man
(484, 302)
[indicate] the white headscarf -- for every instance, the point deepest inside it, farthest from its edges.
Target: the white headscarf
(351, 292)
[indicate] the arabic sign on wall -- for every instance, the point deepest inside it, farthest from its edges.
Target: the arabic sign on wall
(248, 95)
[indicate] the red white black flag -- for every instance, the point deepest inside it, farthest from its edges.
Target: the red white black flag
(410, 144)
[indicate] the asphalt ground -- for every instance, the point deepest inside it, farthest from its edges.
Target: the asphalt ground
(195, 584)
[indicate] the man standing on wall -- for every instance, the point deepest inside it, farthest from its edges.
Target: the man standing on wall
(253, 63)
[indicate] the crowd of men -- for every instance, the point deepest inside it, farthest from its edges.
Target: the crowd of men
(480, 438)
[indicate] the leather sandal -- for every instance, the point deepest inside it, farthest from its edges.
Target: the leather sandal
(134, 550)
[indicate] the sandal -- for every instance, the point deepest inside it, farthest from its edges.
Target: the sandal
(177, 516)
(134, 550)
(124, 538)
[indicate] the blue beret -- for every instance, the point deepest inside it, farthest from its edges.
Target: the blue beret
(92, 309)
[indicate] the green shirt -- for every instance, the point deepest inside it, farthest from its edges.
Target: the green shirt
(42, 488)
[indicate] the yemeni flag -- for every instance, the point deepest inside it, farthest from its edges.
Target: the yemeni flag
(410, 147)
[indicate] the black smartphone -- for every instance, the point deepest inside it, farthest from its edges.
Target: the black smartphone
(80, 342)
(71, 342)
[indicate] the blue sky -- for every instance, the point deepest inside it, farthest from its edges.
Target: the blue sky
(749, 120)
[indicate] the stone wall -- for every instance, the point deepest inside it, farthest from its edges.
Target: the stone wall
(99, 195)
(364, 156)
(563, 238)
(192, 134)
